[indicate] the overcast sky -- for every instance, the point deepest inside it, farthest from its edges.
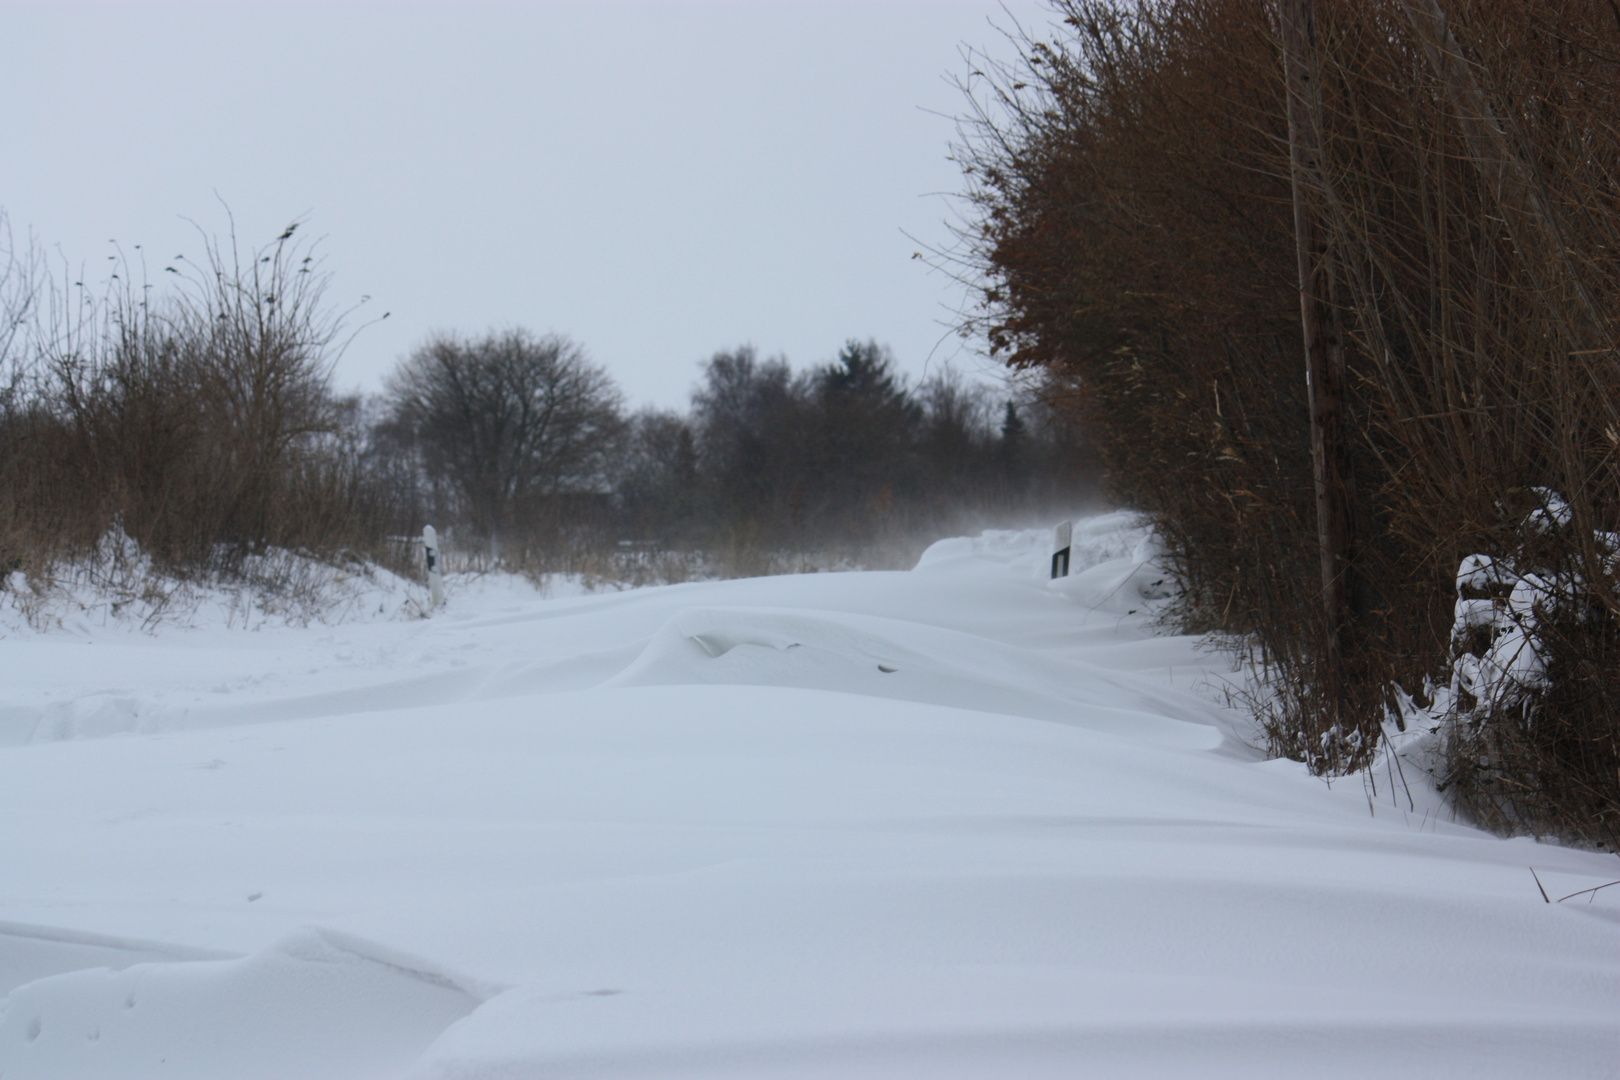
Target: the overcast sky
(656, 180)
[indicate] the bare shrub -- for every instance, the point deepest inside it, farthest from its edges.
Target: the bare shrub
(194, 415)
(45, 509)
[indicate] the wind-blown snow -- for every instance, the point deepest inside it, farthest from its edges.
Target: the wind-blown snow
(957, 822)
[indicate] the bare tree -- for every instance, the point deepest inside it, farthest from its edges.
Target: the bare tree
(507, 421)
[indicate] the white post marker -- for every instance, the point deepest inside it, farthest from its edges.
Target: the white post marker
(430, 545)
(1062, 541)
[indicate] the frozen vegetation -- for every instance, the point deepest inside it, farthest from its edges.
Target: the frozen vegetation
(953, 822)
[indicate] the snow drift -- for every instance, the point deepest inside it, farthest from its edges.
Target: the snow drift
(957, 822)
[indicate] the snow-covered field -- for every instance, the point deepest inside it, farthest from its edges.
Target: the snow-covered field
(956, 822)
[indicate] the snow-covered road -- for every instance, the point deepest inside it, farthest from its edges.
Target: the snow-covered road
(956, 822)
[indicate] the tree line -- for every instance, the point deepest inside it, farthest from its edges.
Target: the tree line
(197, 413)
(1147, 197)
(520, 438)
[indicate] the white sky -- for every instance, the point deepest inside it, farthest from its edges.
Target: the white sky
(656, 180)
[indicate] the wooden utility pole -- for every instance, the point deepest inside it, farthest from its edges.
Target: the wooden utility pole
(1324, 342)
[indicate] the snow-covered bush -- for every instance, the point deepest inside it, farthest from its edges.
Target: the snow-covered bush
(1523, 732)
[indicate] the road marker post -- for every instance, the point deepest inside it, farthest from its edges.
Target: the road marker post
(1062, 542)
(430, 546)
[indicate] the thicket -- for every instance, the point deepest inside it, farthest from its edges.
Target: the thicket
(195, 415)
(1133, 218)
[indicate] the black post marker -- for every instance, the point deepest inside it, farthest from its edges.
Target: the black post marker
(1061, 543)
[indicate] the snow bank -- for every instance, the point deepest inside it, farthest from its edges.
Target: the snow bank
(118, 588)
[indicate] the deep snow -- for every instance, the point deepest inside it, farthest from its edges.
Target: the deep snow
(705, 830)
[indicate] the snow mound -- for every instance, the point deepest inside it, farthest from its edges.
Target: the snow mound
(906, 661)
(1114, 561)
(313, 1004)
(1098, 539)
(1122, 585)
